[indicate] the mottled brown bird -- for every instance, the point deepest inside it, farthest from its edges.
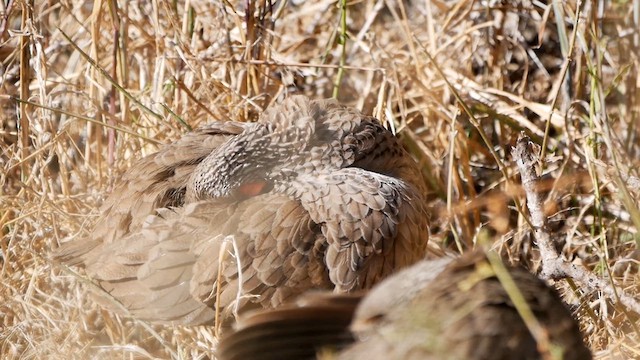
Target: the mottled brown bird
(442, 309)
(313, 195)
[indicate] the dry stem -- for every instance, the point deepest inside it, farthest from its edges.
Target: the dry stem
(553, 265)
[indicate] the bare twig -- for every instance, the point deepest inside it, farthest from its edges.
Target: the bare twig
(342, 40)
(553, 265)
(25, 56)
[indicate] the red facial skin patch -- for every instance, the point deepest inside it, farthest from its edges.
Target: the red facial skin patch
(252, 188)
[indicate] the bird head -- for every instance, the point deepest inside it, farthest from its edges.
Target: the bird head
(251, 163)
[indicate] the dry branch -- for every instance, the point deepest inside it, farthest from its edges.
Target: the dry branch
(553, 265)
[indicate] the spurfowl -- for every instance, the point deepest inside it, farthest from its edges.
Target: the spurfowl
(312, 195)
(435, 309)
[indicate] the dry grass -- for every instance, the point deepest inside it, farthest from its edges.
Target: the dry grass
(107, 81)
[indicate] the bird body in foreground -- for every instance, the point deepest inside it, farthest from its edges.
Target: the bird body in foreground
(313, 195)
(435, 309)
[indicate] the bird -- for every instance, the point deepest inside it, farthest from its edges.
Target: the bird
(242, 215)
(446, 308)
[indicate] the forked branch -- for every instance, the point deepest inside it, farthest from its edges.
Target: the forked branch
(554, 266)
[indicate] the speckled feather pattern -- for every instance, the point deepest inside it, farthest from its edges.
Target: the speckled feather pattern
(470, 316)
(314, 195)
(435, 309)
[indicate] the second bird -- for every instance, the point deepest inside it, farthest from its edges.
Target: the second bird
(313, 195)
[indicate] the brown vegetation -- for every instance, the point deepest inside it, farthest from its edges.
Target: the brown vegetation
(103, 83)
